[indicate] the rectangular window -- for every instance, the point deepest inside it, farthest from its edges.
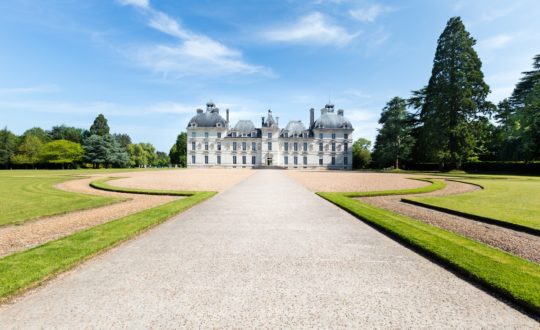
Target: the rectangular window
(253, 160)
(244, 147)
(305, 160)
(219, 135)
(244, 160)
(305, 146)
(320, 146)
(253, 146)
(192, 145)
(206, 135)
(295, 160)
(320, 135)
(219, 146)
(333, 160)
(192, 159)
(206, 146)
(234, 146)
(206, 159)
(219, 159)
(333, 135)
(296, 146)
(320, 161)
(345, 160)
(234, 159)
(269, 135)
(270, 146)
(346, 147)
(286, 145)
(346, 136)
(286, 160)
(333, 146)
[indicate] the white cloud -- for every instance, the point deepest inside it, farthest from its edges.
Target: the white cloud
(29, 90)
(193, 54)
(314, 28)
(496, 42)
(136, 3)
(369, 13)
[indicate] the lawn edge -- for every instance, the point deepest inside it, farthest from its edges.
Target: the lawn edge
(403, 238)
(101, 184)
(436, 184)
(191, 200)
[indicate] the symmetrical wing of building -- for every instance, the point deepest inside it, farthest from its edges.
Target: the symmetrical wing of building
(325, 144)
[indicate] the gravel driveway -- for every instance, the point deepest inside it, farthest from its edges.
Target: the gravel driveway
(266, 253)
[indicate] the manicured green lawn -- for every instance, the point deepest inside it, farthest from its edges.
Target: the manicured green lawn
(28, 195)
(28, 268)
(515, 278)
(511, 199)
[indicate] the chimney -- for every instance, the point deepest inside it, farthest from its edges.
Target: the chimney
(199, 111)
(311, 117)
(262, 121)
(340, 112)
(277, 121)
(227, 112)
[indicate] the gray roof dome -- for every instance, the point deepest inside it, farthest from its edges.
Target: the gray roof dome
(244, 126)
(331, 120)
(210, 118)
(295, 127)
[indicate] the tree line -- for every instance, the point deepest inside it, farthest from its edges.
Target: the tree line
(70, 147)
(449, 121)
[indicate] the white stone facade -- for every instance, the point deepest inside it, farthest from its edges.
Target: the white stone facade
(326, 144)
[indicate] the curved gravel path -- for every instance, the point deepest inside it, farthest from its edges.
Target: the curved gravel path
(521, 244)
(267, 253)
(32, 233)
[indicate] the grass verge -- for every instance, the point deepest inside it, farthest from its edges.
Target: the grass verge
(24, 198)
(435, 185)
(512, 277)
(29, 268)
(506, 201)
(103, 185)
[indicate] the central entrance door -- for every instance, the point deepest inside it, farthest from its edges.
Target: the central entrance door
(269, 161)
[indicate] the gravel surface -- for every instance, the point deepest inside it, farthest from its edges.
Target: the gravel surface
(521, 244)
(184, 179)
(265, 254)
(347, 181)
(29, 234)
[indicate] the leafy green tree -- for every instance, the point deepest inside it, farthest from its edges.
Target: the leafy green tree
(97, 150)
(39, 133)
(29, 151)
(8, 146)
(64, 132)
(454, 97)
(530, 124)
(100, 126)
(394, 141)
(123, 139)
(361, 153)
(162, 159)
(178, 152)
(62, 152)
(137, 155)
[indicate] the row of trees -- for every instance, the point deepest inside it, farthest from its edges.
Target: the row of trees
(64, 146)
(449, 121)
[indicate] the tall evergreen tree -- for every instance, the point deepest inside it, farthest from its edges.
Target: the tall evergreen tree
(394, 141)
(97, 150)
(530, 124)
(100, 126)
(526, 84)
(454, 97)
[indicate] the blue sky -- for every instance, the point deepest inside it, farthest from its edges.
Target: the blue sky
(147, 65)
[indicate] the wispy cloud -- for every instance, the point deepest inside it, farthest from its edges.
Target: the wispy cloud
(369, 13)
(496, 42)
(193, 54)
(314, 28)
(51, 88)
